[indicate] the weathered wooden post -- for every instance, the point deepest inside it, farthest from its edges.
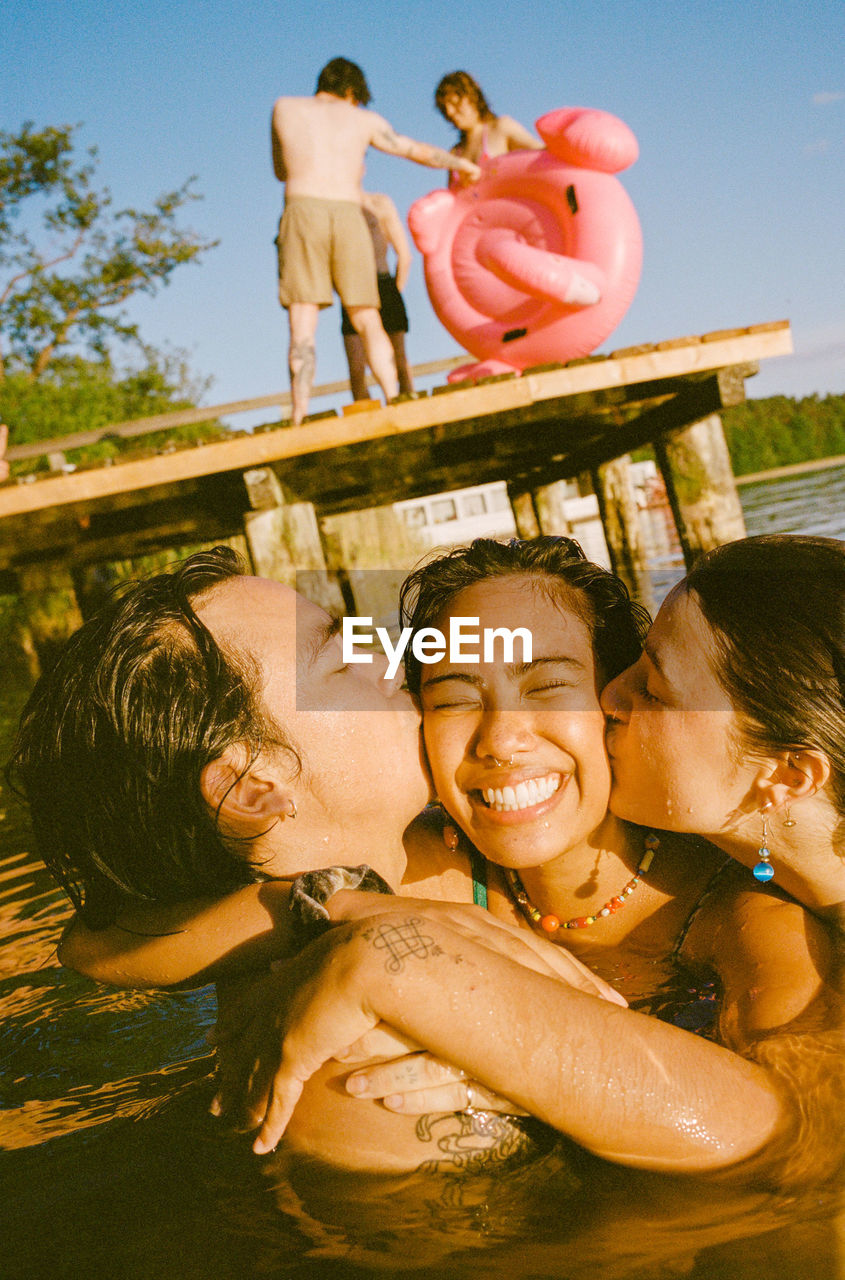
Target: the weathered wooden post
(696, 468)
(284, 541)
(524, 513)
(614, 488)
(49, 607)
(550, 508)
(372, 549)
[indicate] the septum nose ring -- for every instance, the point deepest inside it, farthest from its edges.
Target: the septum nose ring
(503, 763)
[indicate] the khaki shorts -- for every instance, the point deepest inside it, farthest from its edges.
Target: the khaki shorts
(325, 243)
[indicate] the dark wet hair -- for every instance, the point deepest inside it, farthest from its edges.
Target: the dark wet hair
(340, 76)
(776, 607)
(460, 84)
(617, 624)
(114, 738)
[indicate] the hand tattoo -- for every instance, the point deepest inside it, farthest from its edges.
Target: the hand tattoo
(401, 941)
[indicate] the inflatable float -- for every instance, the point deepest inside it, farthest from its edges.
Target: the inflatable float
(540, 259)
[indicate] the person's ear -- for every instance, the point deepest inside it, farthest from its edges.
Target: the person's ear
(789, 776)
(246, 793)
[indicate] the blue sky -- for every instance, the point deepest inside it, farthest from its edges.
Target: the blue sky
(739, 109)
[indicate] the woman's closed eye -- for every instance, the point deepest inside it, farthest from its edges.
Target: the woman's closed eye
(549, 688)
(452, 702)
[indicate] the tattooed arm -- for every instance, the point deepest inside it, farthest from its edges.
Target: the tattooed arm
(628, 1087)
(384, 138)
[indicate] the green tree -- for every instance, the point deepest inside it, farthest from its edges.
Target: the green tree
(68, 262)
(77, 395)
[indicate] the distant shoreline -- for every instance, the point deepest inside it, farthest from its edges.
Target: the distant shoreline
(794, 469)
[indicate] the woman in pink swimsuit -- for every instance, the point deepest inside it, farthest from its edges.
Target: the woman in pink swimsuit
(483, 134)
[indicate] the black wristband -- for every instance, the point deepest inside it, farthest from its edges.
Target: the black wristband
(311, 891)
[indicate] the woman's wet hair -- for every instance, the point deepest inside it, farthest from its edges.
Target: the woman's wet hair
(460, 84)
(340, 76)
(617, 624)
(776, 608)
(114, 738)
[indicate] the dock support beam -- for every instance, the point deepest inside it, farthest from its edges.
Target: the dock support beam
(372, 551)
(696, 469)
(284, 541)
(618, 508)
(50, 610)
(524, 513)
(549, 504)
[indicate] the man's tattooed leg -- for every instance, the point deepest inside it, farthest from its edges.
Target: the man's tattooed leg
(303, 363)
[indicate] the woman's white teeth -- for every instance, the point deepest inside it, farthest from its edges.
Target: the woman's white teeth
(523, 795)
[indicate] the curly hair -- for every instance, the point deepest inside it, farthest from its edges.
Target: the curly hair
(617, 624)
(460, 84)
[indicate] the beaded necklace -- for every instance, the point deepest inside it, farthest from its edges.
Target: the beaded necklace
(551, 923)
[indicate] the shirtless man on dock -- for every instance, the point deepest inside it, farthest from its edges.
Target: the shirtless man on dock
(319, 145)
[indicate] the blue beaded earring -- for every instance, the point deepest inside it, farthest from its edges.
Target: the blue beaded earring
(764, 871)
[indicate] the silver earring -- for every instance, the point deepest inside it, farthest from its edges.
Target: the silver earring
(764, 871)
(789, 821)
(292, 815)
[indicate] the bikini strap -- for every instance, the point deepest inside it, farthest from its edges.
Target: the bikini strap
(478, 868)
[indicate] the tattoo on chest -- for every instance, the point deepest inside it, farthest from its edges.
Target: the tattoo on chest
(470, 1144)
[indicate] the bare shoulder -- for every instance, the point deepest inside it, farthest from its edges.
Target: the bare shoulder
(776, 961)
(516, 134)
(374, 122)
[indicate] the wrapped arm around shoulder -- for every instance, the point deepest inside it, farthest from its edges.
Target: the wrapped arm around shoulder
(188, 943)
(626, 1086)
(203, 940)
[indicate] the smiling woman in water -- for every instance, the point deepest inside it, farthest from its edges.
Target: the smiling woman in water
(629, 899)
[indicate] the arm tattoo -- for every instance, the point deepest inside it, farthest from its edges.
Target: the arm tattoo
(440, 159)
(387, 138)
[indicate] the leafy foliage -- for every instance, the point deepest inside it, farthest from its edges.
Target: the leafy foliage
(68, 263)
(76, 395)
(779, 430)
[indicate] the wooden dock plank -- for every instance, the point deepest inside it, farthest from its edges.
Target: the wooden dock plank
(693, 357)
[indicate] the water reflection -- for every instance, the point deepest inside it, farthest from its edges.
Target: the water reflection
(110, 1164)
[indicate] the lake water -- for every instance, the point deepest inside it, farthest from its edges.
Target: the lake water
(110, 1165)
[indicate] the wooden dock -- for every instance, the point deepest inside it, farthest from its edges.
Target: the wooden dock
(530, 430)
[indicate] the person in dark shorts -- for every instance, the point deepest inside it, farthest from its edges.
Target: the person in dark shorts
(387, 232)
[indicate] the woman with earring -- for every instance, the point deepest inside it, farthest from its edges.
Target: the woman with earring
(518, 757)
(756, 631)
(518, 761)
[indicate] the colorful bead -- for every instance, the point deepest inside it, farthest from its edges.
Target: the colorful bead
(551, 923)
(763, 871)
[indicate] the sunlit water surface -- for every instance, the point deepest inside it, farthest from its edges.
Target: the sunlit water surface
(111, 1166)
